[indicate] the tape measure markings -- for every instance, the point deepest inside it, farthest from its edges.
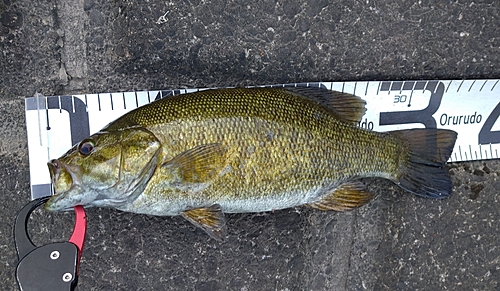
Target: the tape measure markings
(470, 107)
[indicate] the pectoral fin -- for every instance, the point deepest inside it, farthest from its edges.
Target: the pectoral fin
(345, 197)
(199, 164)
(210, 219)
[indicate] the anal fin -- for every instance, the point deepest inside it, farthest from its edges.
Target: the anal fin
(210, 219)
(345, 197)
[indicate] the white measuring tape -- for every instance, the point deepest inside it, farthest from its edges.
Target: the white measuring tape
(469, 107)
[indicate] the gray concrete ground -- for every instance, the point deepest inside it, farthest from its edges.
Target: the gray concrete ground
(397, 242)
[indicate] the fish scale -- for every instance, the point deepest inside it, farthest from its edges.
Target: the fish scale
(309, 141)
(246, 150)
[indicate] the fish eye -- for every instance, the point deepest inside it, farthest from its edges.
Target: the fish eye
(86, 147)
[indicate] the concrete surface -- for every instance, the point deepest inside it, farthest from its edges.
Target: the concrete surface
(397, 242)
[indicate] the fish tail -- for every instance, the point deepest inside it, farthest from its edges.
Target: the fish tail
(423, 172)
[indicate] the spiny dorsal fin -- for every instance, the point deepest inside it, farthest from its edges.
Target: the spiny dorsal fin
(347, 107)
(199, 164)
(210, 219)
(345, 197)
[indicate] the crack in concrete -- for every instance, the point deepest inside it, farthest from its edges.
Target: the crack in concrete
(70, 25)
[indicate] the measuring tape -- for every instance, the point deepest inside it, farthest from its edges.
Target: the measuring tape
(469, 107)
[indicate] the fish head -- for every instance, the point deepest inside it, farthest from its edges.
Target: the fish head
(108, 169)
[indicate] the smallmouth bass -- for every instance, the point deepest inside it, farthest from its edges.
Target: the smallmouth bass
(218, 151)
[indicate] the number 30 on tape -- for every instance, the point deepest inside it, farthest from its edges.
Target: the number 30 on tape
(469, 107)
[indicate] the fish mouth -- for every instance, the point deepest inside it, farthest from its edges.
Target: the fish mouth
(65, 179)
(63, 175)
(54, 170)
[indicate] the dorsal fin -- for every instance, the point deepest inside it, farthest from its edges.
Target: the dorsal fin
(347, 107)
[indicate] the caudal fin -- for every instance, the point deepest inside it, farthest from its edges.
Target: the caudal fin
(423, 173)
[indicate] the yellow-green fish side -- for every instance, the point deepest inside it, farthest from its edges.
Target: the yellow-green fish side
(283, 150)
(245, 150)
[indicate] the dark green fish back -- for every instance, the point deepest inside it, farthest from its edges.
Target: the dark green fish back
(281, 105)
